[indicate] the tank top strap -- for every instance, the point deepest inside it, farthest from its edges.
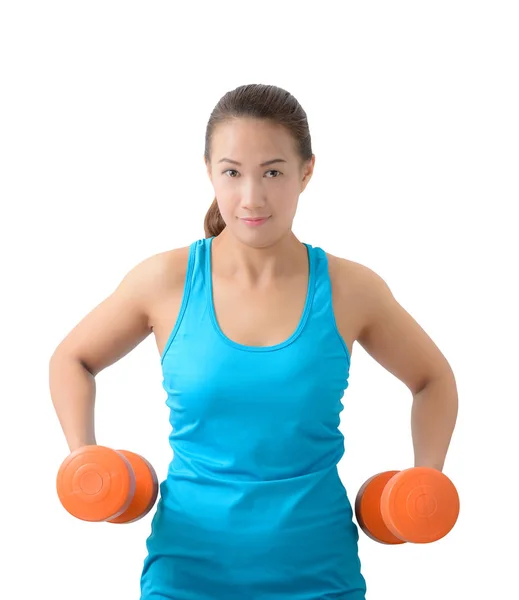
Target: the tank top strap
(196, 310)
(206, 277)
(323, 314)
(194, 288)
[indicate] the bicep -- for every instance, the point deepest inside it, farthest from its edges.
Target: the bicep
(114, 327)
(392, 337)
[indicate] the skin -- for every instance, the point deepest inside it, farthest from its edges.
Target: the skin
(257, 255)
(259, 286)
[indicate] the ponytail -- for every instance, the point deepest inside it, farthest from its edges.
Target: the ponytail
(213, 222)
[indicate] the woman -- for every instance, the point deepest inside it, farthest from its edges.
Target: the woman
(255, 333)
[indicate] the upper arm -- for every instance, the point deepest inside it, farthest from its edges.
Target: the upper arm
(116, 325)
(394, 339)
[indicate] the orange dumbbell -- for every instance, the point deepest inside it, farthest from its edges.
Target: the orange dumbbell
(96, 483)
(418, 505)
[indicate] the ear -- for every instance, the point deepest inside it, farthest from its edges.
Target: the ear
(208, 169)
(308, 171)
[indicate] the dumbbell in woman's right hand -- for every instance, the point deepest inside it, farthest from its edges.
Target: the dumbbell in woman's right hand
(96, 483)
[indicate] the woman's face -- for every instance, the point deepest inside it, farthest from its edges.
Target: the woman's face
(252, 188)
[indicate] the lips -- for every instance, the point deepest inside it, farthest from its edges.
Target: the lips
(255, 221)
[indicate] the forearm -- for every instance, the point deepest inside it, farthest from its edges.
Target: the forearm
(433, 418)
(72, 389)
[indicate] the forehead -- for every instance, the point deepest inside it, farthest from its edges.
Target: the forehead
(245, 136)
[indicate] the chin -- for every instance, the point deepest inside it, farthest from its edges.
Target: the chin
(261, 240)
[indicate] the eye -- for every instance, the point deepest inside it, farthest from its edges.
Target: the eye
(269, 171)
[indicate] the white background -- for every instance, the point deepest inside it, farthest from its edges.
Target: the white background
(413, 111)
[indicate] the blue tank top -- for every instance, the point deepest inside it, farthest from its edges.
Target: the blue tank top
(252, 506)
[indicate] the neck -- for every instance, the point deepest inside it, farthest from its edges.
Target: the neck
(233, 258)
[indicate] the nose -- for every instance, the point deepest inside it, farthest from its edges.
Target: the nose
(253, 198)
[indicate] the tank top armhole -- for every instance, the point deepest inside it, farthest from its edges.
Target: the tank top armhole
(331, 310)
(185, 298)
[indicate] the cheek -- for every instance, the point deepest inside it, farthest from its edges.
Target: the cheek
(227, 208)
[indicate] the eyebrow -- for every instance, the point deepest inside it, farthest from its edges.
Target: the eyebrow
(264, 164)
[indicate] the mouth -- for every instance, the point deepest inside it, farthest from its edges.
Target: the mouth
(256, 221)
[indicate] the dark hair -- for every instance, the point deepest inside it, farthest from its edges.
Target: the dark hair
(260, 102)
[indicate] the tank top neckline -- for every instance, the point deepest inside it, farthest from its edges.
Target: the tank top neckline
(302, 322)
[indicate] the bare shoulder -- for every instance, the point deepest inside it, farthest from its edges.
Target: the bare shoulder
(163, 271)
(153, 276)
(385, 329)
(352, 274)
(123, 319)
(356, 283)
